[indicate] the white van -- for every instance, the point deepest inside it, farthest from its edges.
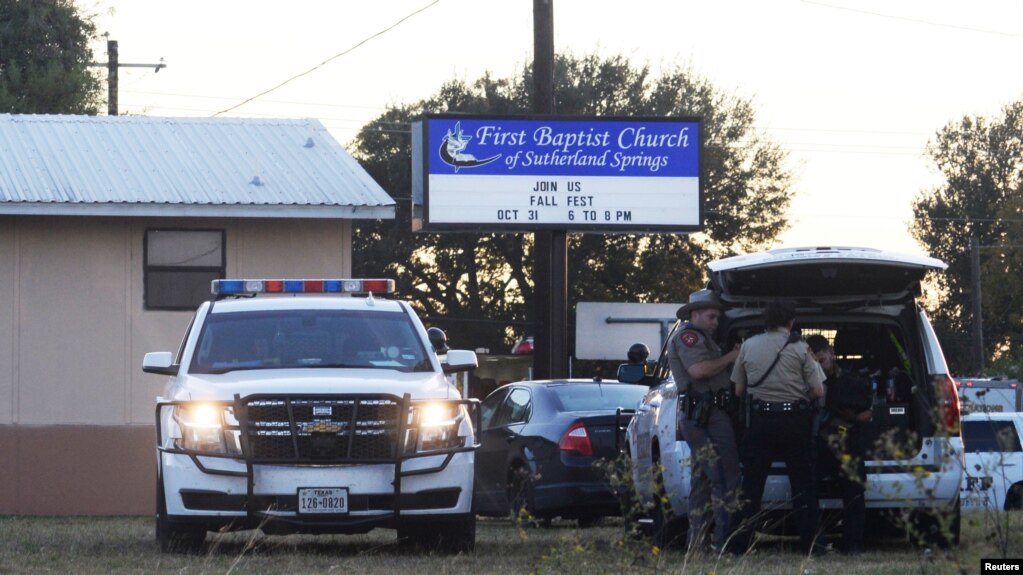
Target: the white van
(864, 301)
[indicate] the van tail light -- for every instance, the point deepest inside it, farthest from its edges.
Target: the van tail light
(576, 440)
(948, 403)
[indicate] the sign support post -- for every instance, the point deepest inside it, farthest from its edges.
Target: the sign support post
(550, 247)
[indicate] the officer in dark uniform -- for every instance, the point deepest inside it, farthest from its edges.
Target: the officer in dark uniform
(700, 371)
(841, 448)
(638, 369)
(783, 381)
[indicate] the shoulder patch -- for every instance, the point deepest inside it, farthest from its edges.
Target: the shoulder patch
(689, 338)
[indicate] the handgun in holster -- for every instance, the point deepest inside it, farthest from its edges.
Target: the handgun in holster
(699, 410)
(726, 401)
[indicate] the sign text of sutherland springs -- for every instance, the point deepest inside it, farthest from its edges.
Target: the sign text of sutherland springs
(585, 174)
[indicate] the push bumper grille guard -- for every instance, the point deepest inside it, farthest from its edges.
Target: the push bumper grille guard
(323, 430)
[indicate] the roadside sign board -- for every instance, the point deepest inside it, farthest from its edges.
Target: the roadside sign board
(532, 173)
(606, 330)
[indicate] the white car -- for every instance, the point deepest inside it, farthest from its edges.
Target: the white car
(295, 407)
(864, 302)
(994, 461)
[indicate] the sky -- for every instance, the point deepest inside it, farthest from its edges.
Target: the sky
(852, 89)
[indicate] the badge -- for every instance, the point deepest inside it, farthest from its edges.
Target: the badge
(689, 339)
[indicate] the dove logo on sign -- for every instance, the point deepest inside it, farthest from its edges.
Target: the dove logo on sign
(452, 150)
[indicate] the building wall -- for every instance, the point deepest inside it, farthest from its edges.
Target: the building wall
(76, 411)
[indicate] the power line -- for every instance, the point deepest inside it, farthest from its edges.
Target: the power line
(335, 56)
(846, 131)
(915, 20)
(286, 102)
(384, 108)
(357, 124)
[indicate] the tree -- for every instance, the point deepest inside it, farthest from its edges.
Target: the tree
(45, 58)
(981, 161)
(482, 283)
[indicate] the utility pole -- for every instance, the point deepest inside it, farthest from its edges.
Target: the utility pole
(111, 77)
(112, 66)
(978, 317)
(550, 259)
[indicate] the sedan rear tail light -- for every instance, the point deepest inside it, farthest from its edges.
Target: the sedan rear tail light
(576, 440)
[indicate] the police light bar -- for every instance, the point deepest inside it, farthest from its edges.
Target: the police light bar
(248, 287)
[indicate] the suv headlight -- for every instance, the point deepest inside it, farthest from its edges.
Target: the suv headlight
(206, 428)
(435, 427)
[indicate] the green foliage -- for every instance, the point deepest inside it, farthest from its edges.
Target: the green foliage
(981, 161)
(45, 57)
(471, 276)
(1008, 364)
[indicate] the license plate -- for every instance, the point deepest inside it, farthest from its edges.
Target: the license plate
(326, 500)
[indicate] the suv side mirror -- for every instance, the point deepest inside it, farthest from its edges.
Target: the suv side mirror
(160, 362)
(460, 360)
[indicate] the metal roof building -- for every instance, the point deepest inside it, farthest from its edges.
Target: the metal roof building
(209, 167)
(111, 229)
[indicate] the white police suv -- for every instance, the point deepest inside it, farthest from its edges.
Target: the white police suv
(312, 406)
(864, 302)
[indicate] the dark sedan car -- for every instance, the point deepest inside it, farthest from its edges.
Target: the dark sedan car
(540, 443)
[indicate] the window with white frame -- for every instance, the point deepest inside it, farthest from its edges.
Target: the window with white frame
(179, 265)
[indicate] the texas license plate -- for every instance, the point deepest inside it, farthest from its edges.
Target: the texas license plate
(326, 500)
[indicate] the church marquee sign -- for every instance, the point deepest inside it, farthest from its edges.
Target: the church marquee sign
(531, 173)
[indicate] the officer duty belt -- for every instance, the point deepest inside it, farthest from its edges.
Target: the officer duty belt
(781, 406)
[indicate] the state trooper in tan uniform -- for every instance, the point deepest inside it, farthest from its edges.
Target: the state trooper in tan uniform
(783, 380)
(700, 371)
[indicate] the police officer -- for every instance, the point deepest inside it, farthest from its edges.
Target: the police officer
(700, 370)
(636, 371)
(841, 449)
(783, 380)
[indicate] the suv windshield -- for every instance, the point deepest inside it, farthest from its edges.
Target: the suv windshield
(310, 339)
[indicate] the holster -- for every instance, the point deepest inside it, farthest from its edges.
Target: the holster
(726, 401)
(698, 408)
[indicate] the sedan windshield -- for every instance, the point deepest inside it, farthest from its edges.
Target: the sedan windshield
(309, 339)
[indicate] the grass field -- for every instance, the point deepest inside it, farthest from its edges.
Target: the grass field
(125, 545)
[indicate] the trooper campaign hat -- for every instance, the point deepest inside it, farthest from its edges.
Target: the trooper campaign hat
(702, 299)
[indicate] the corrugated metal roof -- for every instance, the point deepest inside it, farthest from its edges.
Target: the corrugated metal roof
(208, 167)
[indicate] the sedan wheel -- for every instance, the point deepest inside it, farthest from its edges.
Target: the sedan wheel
(519, 481)
(588, 522)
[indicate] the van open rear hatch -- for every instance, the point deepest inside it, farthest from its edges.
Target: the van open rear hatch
(822, 273)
